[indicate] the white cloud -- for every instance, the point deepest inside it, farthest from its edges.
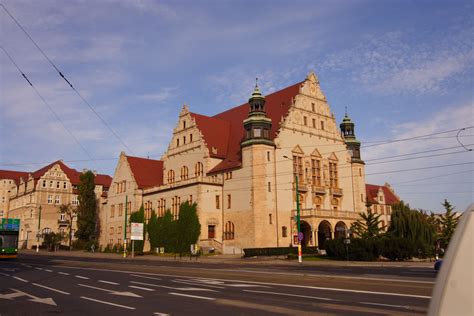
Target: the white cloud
(162, 95)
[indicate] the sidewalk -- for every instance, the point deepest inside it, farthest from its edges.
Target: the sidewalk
(228, 259)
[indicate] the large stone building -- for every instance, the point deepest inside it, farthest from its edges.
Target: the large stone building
(35, 198)
(243, 166)
(8, 178)
(381, 199)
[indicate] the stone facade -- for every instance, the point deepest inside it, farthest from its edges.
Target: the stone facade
(244, 179)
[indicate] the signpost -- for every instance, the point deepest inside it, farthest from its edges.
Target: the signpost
(136, 233)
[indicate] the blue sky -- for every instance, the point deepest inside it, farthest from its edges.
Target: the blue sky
(403, 69)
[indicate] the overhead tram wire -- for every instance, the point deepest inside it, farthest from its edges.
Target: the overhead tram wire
(47, 104)
(65, 79)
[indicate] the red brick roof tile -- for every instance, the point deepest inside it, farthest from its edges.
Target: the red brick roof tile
(373, 189)
(147, 172)
(13, 175)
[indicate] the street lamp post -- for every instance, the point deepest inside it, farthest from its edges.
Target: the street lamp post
(39, 227)
(298, 222)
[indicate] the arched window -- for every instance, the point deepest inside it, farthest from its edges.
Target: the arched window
(170, 176)
(184, 173)
(229, 231)
(198, 169)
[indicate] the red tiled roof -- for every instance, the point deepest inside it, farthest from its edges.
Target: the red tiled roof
(147, 172)
(225, 130)
(72, 174)
(13, 175)
(373, 189)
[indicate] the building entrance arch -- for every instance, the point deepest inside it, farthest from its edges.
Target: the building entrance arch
(305, 228)
(324, 233)
(340, 230)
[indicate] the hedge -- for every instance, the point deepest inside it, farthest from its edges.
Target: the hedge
(277, 251)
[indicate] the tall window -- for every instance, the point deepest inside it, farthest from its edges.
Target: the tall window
(314, 123)
(269, 186)
(313, 107)
(322, 125)
(298, 168)
(190, 138)
(316, 171)
(284, 231)
(229, 201)
(211, 231)
(170, 176)
(305, 120)
(75, 200)
(218, 202)
(112, 210)
(44, 183)
(318, 201)
(120, 209)
(148, 206)
(333, 181)
(229, 231)
(64, 185)
(175, 202)
(161, 207)
(57, 200)
(184, 173)
(198, 169)
(129, 207)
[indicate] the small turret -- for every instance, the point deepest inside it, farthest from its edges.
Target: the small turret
(348, 133)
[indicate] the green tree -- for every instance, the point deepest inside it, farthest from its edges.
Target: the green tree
(188, 227)
(69, 214)
(87, 228)
(139, 217)
(167, 232)
(448, 222)
(368, 225)
(152, 228)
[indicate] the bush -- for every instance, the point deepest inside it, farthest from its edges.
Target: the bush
(397, 248)
(359, 249)
(278, 251)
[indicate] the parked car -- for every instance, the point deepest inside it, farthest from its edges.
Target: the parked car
(452, 294)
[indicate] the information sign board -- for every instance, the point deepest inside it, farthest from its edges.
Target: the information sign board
(136, 231)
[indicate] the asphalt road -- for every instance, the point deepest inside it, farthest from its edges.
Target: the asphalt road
(35, 285)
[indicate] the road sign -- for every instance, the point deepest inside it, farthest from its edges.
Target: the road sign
(300, 236)
(136, 231)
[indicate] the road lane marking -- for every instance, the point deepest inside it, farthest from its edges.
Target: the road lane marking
(108, 303)
(386, 305)
(81, 277)
(20, 279)
(174, 288)
(161, 314)
(18, 293)
(293, 295)
(64, 273)
(111, 291)
(109, 282)
(193, 296)
(41, 269)
(145, 277)
(198, 283)
(51, 289)
(141, 288)
(270, 284)
(4, 274)
(47, 270)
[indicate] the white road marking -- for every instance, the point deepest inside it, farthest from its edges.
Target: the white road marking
(145, 277)
(108, 303)
(18, 293)
(81, 277)
(109, 282)
(48, 270)
(161, 314)
(277, 284)
(293, 295)
(28, 266)
(198, 283)
(20, 279)
(51, 289)
(174, 288)
(387, 305)
(64, 273)
(141, 288)
(39, 269)
(246, 285)
(111, 291)
(4, 274)
(193, 296)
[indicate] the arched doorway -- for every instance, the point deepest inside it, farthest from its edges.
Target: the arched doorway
(324, 233)
(340, 230)
(305, 228)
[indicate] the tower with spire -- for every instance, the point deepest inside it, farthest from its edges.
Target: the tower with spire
(352, 143)
(257, 125)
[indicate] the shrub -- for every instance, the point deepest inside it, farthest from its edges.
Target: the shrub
(278, 251)
(359, 249)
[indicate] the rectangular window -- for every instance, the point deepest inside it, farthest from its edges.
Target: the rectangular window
(50, 184)
(74, 201)
(268, 156)
(270, 218)
(129, 207)
(314, 123)
(313, 107)
(305, 120)
(284, 231)
(322, 125)
(218, 205)
(190, 138)
(211, 231)
(44, 183)
(316, 172)
(57, 199)
(64, 185)
(333, 180)
(177, 142)
(229, 201)
(375, 208)
(120, 209)
(269, 185)
(298, 168)
(57, 185)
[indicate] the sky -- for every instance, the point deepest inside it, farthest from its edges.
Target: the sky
(403, 69)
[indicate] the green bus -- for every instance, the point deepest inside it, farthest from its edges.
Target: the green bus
(9, 230)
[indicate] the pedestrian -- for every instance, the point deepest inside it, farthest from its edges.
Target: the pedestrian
(93, 248)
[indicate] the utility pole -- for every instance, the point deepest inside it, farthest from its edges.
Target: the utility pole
(298, 226)
(125, 229)
(39, 227)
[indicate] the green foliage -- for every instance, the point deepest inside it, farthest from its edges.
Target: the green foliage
(278, 251)
(152, 228)
(448, 222)
(368, 225)
(360, 249)
(87, 228)
(69, 213)
(52, 240)
(166, 232)
(139, 217)
(396, 248)
(188, 227)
